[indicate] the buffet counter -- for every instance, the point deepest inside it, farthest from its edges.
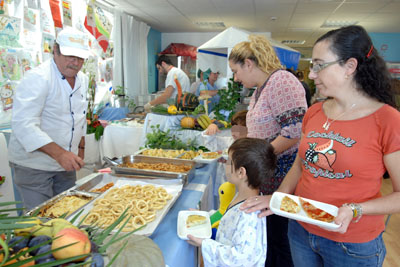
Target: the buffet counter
(196, 194)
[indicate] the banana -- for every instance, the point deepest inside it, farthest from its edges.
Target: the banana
(52, 227)
(202, 123)
(224, 123)
(207, 119)
(26, 231)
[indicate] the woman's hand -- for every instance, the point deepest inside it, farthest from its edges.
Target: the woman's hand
(212, 129)
(195, 241)
(260, 203)
(344, 218)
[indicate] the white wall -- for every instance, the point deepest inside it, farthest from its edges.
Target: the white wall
(191, 38)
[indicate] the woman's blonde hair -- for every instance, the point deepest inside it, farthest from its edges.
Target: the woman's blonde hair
(259, 50)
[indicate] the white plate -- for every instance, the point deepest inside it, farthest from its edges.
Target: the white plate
(200, 231)
(275, 204)
(200, 159)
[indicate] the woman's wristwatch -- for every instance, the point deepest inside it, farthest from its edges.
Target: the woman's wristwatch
(357, 210)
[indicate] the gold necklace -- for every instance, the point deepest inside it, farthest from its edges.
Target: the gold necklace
(328, 123)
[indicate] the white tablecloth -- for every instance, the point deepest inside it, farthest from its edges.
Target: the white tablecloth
(220, 141)
(120, 140)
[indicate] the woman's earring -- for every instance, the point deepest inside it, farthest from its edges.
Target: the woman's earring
(346, 76)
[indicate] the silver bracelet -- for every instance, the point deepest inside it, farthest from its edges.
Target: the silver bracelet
(356, 209)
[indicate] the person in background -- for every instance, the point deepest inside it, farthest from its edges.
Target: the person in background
(241, 237)
(49, 122)
(300, 76)
(358, 129)
(196, 84)
(210, 88)
(164, 66)
(275, 114)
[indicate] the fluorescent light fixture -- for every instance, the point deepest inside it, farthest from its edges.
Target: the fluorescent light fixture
(214, 25)
(293, 42)
(337, 23)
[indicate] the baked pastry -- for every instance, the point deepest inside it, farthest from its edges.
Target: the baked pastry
(194, 220)
(314, 212)
(289, 205)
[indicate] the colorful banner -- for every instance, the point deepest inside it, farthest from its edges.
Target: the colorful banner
(55, 11)
(67, 13)
(98, 25)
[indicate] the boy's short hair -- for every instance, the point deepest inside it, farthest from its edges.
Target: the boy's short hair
(256, 156)
(239, 118)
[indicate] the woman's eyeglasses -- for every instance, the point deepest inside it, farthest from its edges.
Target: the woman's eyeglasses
(317, 67)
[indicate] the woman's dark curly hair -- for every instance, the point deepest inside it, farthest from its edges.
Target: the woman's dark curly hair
(372, 75)
(256, 156)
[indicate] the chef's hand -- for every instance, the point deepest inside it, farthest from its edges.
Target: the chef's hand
(260, 203)
(147, 107)
(195, 241)
(212, 129)
(69, 161)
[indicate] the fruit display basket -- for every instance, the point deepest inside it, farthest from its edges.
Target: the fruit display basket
(40, 210)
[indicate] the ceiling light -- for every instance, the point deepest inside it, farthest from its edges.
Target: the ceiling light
(214, 25)
(337, 23)
(292, 42)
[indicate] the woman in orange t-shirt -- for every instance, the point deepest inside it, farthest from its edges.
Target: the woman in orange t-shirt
(348, 142)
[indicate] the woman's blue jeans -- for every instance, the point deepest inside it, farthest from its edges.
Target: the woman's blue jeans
(310, 250)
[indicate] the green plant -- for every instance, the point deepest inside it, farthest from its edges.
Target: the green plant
(166, 140)
(93, 123)
(120, 90)
(228, 100)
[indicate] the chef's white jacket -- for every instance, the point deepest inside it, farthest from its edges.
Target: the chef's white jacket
(46, 109)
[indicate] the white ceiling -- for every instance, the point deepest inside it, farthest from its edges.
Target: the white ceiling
(294, 19)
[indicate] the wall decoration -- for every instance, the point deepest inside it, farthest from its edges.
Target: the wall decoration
(31, 18)
(9, 64)
(9, 31)
(98, 25)
(55, 12)
(67, 13)
(6, 93)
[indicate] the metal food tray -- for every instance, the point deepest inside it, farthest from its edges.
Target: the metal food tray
(140, 153)
(159, 174)
(58, 197)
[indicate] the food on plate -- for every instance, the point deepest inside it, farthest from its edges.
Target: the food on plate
(158, 166)
(142, 203)
(210, 155)
(194, 220)
(103, 188)
(67, 204)
(289, 205)
(314, 212)
(169, 153)
(191, 154)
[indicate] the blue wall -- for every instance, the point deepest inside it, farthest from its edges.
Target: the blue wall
(153, 48)
(387, 44)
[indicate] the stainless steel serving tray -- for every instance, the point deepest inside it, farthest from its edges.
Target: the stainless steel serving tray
(118, 169)
(57, 198)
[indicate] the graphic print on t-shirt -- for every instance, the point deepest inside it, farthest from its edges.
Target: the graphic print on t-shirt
(322, 156)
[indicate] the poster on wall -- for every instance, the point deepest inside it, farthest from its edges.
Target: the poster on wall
(67, 13)
(31, 19)
(9, 31)
(9, 64)
(47, 45)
